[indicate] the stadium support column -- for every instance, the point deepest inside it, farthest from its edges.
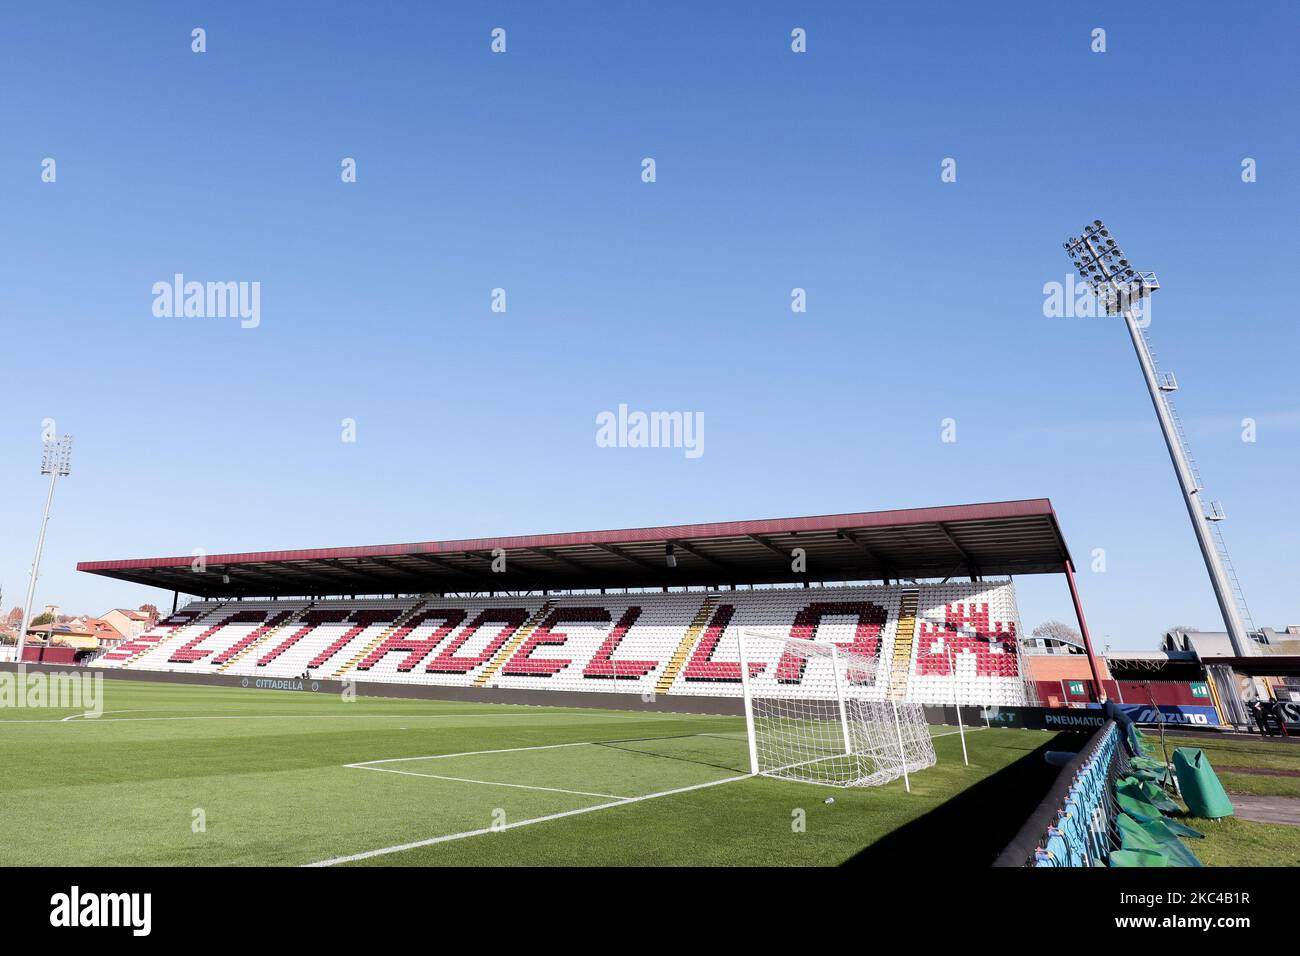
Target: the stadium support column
(1083, 631)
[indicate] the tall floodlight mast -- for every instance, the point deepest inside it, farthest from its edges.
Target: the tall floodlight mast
(1120, 289)
(56, 461)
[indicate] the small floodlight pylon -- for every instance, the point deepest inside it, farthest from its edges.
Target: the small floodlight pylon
(56, 461)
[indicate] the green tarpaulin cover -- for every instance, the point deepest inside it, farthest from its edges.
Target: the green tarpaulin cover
(1200, 787)
(1147, 792)
(1138, 858)
(1155, 837)
(1143, 812)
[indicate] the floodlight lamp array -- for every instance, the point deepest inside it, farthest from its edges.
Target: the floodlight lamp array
(56, 456)
(1102, 264)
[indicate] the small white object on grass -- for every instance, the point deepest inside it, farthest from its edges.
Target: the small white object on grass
(829, 800)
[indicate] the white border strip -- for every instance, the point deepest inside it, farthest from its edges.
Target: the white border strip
(86, 717)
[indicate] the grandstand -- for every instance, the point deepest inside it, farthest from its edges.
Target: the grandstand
(645, 612)
(638, 643)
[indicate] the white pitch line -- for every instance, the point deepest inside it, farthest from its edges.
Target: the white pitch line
(622, 802)
(489, 783)
(472, 753)
(87, 715)
(953, 733)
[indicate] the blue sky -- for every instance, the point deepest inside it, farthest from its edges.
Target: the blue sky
(522, 171)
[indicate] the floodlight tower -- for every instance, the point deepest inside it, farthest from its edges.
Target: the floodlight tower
(1120, 288)
(56, 461)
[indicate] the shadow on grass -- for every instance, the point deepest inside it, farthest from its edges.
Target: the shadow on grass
(973, 827)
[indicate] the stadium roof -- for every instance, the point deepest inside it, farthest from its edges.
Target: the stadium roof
(1154, 665)
(1265, 665)
(1008, 537)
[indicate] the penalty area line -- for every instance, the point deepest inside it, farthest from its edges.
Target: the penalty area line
(365, 764)
(447, 838)
(488, 783)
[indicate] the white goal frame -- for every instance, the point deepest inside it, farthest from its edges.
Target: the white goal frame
(833, 725)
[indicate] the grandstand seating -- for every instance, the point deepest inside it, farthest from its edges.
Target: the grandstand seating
(681, 643)
(975, 626)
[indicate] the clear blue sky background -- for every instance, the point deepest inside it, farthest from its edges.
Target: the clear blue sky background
(775, 170)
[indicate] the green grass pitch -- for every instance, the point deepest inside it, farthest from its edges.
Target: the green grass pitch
(195, 775)
(192, 775)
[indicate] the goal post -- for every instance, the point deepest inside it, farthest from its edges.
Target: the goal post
(815, 712)
(749, 709)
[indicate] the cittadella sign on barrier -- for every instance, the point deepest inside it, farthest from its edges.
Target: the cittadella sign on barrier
(280, 683)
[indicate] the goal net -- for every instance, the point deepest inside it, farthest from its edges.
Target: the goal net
(814, 712)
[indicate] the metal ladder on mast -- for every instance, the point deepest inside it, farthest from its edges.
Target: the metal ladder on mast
(1214, 515)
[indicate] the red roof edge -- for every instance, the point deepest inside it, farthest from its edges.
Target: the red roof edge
(725, 529)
